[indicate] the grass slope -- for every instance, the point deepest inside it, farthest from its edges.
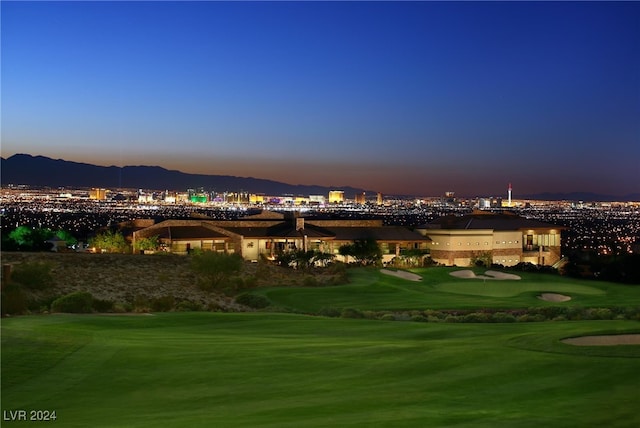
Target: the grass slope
(278, 370)
(371, 290)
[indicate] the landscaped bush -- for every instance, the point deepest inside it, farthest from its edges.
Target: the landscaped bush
(35, 276)
(388, 317)
(79, 302)
(255, 301)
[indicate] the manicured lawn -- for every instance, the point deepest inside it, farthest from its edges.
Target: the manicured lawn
(280, 370)
(369, 289)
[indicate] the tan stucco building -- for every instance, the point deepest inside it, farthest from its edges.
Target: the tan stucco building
(269, 233)
(504, 238)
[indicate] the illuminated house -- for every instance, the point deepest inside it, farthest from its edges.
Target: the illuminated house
(269, 233)
(505, 239)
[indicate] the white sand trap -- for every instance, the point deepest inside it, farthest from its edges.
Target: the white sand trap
(501, 275)
(490, 274)
(608, 340)
(402, 274)
(463, 274)
(554, 297)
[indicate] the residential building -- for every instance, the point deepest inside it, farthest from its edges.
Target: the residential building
(269, 233)
(503, 238)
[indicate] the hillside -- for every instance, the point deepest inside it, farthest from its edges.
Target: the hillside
(46, 172)
(133, 282)
(130, 281)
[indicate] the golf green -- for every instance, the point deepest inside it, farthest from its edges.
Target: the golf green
(283, 370)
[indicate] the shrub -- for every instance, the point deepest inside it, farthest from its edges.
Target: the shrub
(35, 276)
(477, 317)
(141, 304)
(503, 317)
(351, 313)
(103, 305)
(13, 299)
(310, 281)
(330, 312)
(79, 302)
(388, 317)
(419, 318)
(162, 304)
(188, 306)
(255, 301)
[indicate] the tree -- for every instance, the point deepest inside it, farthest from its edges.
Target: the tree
(110, 242)
(66, 237)
(149, 243)
(304, 259)
(31, 239)
(365, 251)
(346, 251)
(322, 258)
(215, 268)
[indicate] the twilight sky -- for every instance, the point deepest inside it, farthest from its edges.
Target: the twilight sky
(403, 98)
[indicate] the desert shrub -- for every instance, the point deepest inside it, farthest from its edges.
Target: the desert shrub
(551, 312)
(453, 318)
(103, 305)
(329, 312)
(503, 317)
(255, 301)
(310, 281)
(163, 304)
(122, 308)
(430, 313)
(531, 318)
(351, 313)
(477, 317)
(213, 269)
(250, 282)
(575, 313)
(599, 314)
(188, 306)
(388, 317)
(141, 304)
(13, 299)
(35, 276)
(79, 302)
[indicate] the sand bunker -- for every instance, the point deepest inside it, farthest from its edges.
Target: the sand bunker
(490, 274)
(554, 297)
(608, 340)
(402, 274)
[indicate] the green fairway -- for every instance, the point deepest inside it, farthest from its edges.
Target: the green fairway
(279, 370)
(369, 289)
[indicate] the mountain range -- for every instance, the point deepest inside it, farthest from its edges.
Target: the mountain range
(42, 171)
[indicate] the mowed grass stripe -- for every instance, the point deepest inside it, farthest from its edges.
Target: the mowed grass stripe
(272, 370)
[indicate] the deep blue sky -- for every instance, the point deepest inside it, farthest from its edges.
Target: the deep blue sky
(410, 97)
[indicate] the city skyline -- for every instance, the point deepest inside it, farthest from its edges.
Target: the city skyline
(404, 98)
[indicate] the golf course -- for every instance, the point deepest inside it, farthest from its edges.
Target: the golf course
(288, 366)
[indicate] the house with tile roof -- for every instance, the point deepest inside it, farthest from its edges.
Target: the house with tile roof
(503, 238)
(268, 234)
